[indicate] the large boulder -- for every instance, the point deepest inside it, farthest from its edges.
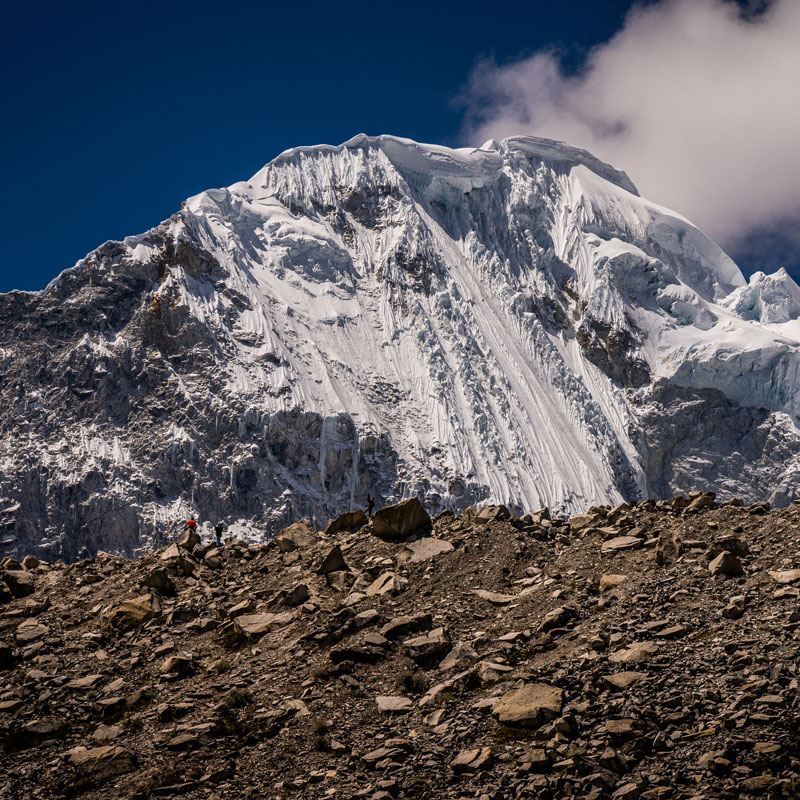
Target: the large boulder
(133, 613)
(349, 521)
(333, 562)
(189, 540)
(396, 523)
(19, 581)
(101, 763)
(298, 536)
(529, 706)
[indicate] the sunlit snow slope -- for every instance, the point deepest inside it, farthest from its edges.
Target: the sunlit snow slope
(510, 324)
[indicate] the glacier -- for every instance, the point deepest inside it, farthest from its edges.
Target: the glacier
(508, 324)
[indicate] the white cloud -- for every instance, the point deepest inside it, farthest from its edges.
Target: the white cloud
(697, 102)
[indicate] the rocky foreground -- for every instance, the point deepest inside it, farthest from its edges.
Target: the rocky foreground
(648, 651)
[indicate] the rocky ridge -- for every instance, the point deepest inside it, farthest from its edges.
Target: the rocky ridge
(645, 651)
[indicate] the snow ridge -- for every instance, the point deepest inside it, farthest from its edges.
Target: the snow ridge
(511, 323)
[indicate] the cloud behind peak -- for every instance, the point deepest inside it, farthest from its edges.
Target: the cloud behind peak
(697, 100)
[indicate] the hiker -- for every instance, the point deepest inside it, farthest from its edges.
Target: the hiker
(370, 504)
(218, 528)
(190, 525)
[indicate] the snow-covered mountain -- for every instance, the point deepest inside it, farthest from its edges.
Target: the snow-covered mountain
(512, 323)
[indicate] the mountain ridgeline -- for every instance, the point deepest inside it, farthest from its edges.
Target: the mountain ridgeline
(511, 324)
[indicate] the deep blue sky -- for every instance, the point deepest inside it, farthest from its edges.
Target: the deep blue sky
(114, 113)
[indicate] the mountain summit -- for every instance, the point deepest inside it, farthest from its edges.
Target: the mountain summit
(509, 324)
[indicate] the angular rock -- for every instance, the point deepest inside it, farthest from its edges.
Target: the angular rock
(610, 581)
(181, 665)
(529, 706)
(333, 562)
(785, 576)
(297, 595)
(620, 543)
(189, 539)
(160, 580)
(30, 562)
(349, 521)
(726, 563)
(622, 680)
(429, 648)
(398, 522)
(461, 656)
(387, 583)
(400, 626)
(30, 631)
(634, 653)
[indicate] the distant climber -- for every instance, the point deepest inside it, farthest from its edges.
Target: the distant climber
(190, 525)
(370, 504)
(218, 528)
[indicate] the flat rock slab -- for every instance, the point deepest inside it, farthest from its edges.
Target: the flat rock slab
(622, 680)
(619, 543)
(634, 653)
(87, 682)
(253, 625)
(471, 761)
(529, 706)
(785, 576)
(611, 581)
(392, 704)
(423, 550)
(29, 632)
(495, 598)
